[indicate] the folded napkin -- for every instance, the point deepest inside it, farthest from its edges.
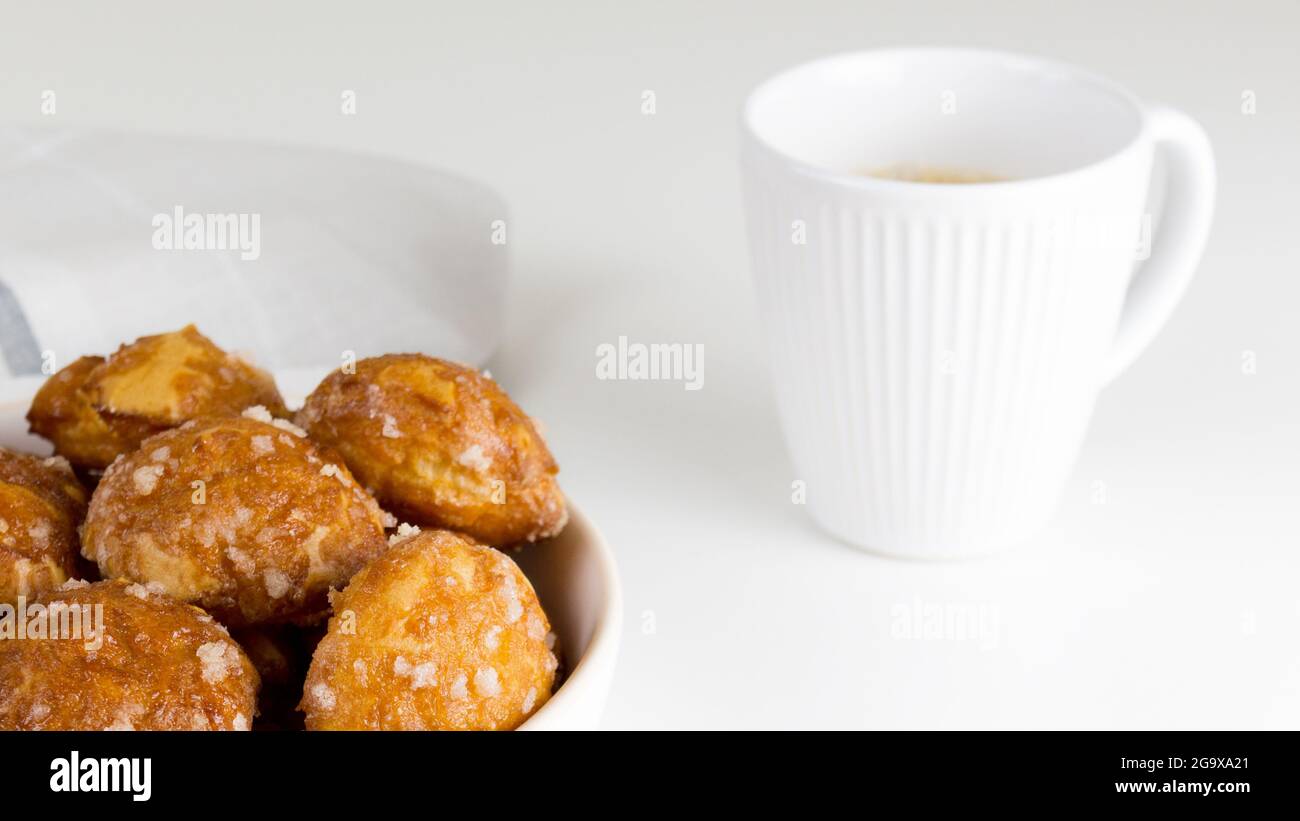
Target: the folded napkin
(295, 256)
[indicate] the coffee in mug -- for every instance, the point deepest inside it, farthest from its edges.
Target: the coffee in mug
(938, 348)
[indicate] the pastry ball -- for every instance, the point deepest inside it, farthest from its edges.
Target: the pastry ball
(440, 444)
(41, 505)
(95, 408)
(141, 661)
(240, 515)
(439, 633)
(63, 413)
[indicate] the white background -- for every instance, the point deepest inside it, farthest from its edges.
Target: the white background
(1165, 593)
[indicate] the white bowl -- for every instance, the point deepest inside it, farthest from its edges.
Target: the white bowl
(576, 579)
(574, 575)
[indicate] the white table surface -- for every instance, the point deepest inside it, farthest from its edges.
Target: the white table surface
(1165, 592)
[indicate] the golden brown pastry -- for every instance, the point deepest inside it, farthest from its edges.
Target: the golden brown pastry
(41, 505)
(438, 633)
(145, 662)
(95, 409)
(440, 444)
(241, 515)
(63, 413)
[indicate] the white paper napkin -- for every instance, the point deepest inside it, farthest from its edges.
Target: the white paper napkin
(351, 253)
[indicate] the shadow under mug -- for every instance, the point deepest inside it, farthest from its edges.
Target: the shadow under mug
(937, 349)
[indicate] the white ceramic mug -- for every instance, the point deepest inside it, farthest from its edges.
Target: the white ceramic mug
(937, 348)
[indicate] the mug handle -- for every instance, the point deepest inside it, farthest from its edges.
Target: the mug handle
(1160, 282)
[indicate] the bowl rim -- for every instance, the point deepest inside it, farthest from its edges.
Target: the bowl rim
(601, 652)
